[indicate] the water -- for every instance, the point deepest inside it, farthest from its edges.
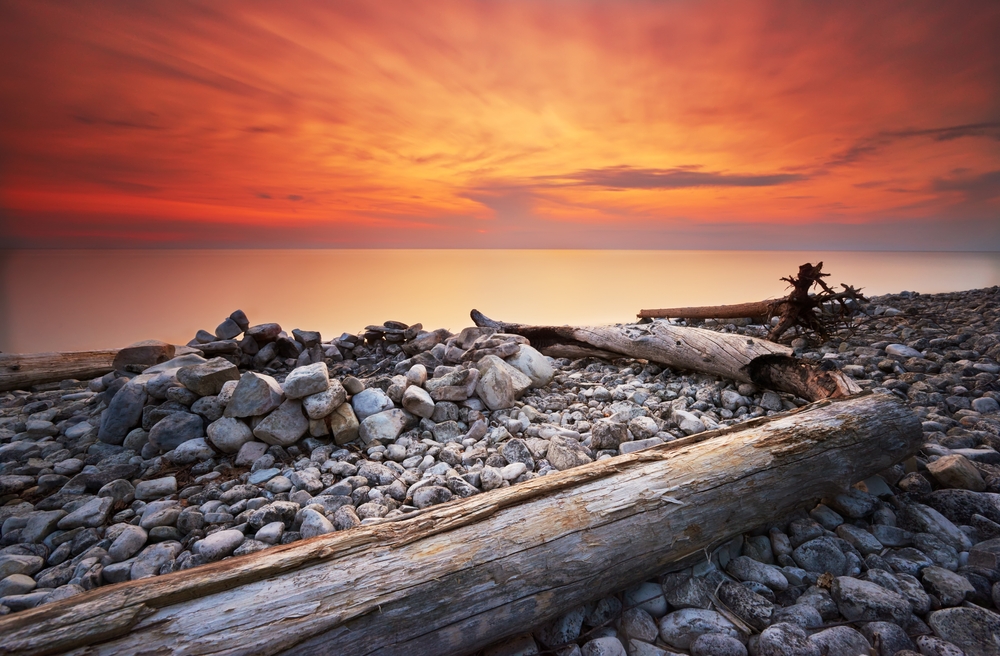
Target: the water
(61, 300)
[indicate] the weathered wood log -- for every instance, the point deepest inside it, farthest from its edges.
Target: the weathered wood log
(736, 357)
(736, 311)
(455, 577)
(23, 370)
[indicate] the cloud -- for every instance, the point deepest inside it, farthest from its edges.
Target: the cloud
(868, 146)
(977, 188)
(626, 177)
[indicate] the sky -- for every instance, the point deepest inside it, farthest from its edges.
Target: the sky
(500, 124)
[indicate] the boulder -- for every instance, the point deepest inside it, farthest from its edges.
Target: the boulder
(207, 379)
(283, 427)
(255, 395)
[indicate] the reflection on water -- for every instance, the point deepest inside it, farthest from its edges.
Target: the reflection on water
(82, 299)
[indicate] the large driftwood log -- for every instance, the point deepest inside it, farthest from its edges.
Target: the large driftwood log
(736, 357)
(23, 370)
(453, 578)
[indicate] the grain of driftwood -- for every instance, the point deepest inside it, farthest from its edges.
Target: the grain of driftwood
(23, 370)
(455, 577)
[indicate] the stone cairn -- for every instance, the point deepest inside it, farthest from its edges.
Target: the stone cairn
(254, 437)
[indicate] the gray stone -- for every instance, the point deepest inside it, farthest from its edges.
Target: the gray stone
(821, 555)
(314, 523)
(717, 644)
(606, 646)
(344, 424)
(972, 628)
(218, 545)
(858, 538)
(605, 434)
(784, 639)
(128, 543)
(19, 564)
(191, 451)
(283, 427)
(682, 627)
(92, 514)
(840, 641)
(384, 426)
(929, 645)
(123, 413)
(986, 405)
(17, 584)
(902, 351)
(255, 395)
(748, 569)
(687, 422)
(853, 503)
(418, 402)
(40, 524)
(903, 584)
(532, 364)
(369, 402)
(685, 591)
(565, 453)
(228, 329)
(799, 614)
(771, 401)
(746, 604)
(956, 471)
(270, 533)
(208, 407)
(175, 429)
(207, 378)
(431, 495)
(156, 488)
(562, 630)
(249, 453)
(228, 434)
(950, 588)
(826, 517)
(637, 624)
(864, 601)
(924, 519)
(649, 597)
(888, 637)
(515, 450)
(495, 386)
(307, 380)
(152, 558)
(322, 404)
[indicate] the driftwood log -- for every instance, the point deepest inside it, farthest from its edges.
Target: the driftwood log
(736, 357)
(22, 371)
(797, 309)
(453, 578)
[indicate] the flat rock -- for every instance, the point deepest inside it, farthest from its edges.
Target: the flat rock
(974, 629)
(322, 404)
(207, 378)
(156, 488)
(384, 426)
(92, 514)
(285, 426)
(175, 429)
(681, 627)
(745, 568)
(306, 380)
(864, 601)
(145, 354)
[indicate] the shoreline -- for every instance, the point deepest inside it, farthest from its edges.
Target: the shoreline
(943, 363)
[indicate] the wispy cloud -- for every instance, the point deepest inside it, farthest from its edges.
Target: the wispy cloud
(627, 177)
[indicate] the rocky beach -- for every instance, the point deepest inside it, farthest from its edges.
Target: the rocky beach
(253, 436)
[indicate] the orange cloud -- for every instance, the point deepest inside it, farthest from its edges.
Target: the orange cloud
(497, 123)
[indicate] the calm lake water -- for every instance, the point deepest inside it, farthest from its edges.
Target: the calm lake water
(60, 300)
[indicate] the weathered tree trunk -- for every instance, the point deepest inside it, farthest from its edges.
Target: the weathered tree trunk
(736, 357)
(21, 371)
(453, 578)
(737, 311)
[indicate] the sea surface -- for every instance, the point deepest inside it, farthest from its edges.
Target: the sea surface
(62, 300)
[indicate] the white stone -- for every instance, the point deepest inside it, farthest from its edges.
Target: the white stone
(307, 380)
(322, 404)
(218, 545)
(418, 401)
(191, 451)
(285, 426)
(533, 364)
(369, 402)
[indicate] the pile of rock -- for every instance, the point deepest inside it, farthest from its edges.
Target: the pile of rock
(260, 437)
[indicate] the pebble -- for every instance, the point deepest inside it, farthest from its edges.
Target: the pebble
(218, 545)
(681, 627)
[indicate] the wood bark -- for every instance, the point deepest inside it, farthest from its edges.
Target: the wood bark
(453, 578)
(737, 357)
(23, 370)
(737, 311)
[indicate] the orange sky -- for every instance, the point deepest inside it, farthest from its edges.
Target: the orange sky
(544, 123)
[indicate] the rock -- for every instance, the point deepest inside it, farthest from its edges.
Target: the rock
(270, 533)
(826, 517)
(143, 354)
(606, 434)
(858, 538)
(283, 427)
(959, 506)
(209, 407)
(152, 558)
(821, 555)
(853, 503)
(639, 445)
(454, 386)
(519, 645)
(950, 588)
(17, 584)
(369, 402)
(647, 596)
(783, 639)
(344, 424)
(384, 426)
(515, 450)
(92, 514)
(191, 451)
(175, 429)
(865, 601)
(975, 630)
(902, 351)
(771, 401)
(218, 545)
(928, 645)
(249, 453)
(717, 644)
(606, 646)
(255, 395)
(314, 523)
(228, 434)
(924, 519)
(431, 495)
(127, 544)
(307, 380)
(746, 604)
(532, 364)
(748, 569)
(986, 405)
(956, 471)
(418, 402)
(11, 564)
(682, 627)
(685, 591)
(565, 453)
(14, 484)
(156, 488)
(903, 584)
(322, 404)
(688, 422)
(800, 614)
(840, 641)
(123, 413)
(264, 333)
(562, 630)
(495, 386)
(40, 525)
(207, 379)
(890, 638)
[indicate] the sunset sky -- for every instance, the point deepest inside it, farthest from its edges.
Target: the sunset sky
(535, 124)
